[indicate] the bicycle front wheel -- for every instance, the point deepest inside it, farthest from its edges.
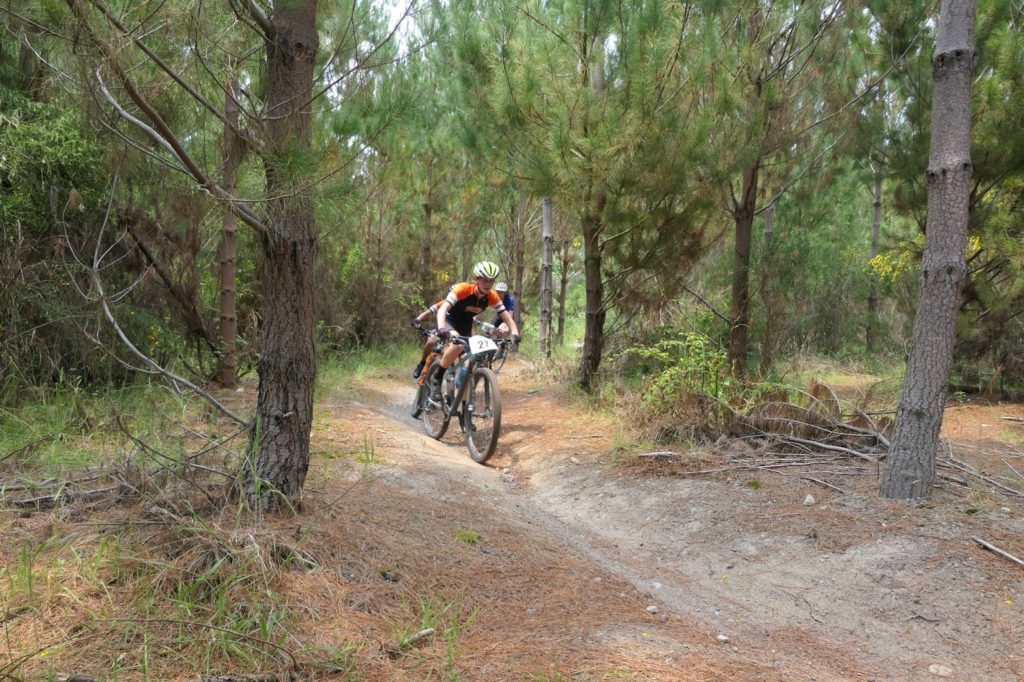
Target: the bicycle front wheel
(499, 361)
(435, 421)
(483, 415)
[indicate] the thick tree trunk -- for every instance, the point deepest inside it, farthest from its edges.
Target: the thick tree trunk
(547, 246)
(278, 453)
(876, 226)
(227, 256)
(563, 287)
(593, 225)
(519, 257)
(767, 295)
(909, 471)
(744, 216)
(593, 335)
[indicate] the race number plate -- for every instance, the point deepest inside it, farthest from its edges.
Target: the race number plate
(481, 344)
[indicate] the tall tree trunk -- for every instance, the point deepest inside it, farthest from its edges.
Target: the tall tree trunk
(227, 254)
(876, 226)
(547, 239)
(278, 452)
(593, 225)
(563, 287)
(519, 257)
(426, 271)
(744, 216)
(593, 335)
(909, 471)
(767, 297)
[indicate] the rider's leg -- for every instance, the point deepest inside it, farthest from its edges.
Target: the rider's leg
(428, 346)
(451, 353)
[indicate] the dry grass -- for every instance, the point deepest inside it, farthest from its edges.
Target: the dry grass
(148, 591)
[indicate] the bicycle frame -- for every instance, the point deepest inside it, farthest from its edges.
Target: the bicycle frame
(477, 350)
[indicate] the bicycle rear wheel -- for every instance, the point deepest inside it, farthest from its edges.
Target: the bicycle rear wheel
(417, 401)
(435, 421)
(483, 415)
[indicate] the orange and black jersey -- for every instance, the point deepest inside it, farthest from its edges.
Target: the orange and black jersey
(466, 303)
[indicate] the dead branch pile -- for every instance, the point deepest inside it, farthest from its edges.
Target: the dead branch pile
(814, 433)
(815, 424)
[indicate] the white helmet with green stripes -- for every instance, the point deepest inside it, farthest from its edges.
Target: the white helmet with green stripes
(486, 269)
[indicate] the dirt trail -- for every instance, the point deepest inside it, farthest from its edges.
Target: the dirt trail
(849, 587)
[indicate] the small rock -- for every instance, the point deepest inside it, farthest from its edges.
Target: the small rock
(597, 579)
(532, 611)
(664, 618)
(652, 609)
(729, 567)
(239, 390)
(1005, 510)
(809, 501)
(940, 670)
(723, 639)
(574, 459)
(655, 585)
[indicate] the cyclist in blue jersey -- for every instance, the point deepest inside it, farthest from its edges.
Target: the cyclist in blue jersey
(509, 301)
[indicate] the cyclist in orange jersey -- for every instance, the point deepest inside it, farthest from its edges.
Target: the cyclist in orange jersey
(461, 305)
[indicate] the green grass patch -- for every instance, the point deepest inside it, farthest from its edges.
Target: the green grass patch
(67, 430)
(344, 370)
(470, 537)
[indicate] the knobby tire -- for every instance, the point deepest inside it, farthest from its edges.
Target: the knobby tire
(435, 421)
(483, 424)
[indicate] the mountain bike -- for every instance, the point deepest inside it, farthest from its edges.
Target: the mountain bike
(469, 391)
(504, 344)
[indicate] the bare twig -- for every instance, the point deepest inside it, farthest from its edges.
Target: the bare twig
(149, 361)
(826, 446)
(236, 633)
(809, 478)
(992, 548)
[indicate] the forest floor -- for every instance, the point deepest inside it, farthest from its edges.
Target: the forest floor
(567, 557)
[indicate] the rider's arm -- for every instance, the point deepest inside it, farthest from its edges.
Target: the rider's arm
(510, 321)
(442, 312)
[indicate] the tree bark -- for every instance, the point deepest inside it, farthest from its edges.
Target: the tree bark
(519, 258)
(228, 252)
(909, 472)
(426, 264)
(593, 335)
(876, 227)
(593, 225)
(278, 453)
(563, 287)
(744, 216)
(767, 297)
(545, 280)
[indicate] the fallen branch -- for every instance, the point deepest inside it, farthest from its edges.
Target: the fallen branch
(992, 548)
(418, 637)
(64, 496)
(395, 650)
(660, 453)
(1013, 419)
(967, 469)
(826, 446)
(256, 677)
(809, 478)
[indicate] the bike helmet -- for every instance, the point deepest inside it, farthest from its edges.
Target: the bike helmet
(501, 287)
(485, 269)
